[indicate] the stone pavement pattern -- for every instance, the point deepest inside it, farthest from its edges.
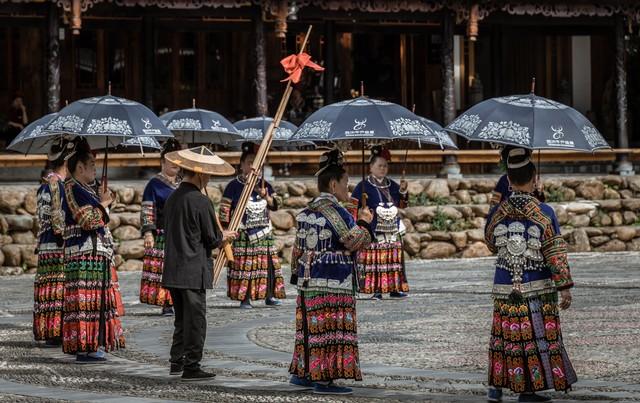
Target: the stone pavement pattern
(430, 347)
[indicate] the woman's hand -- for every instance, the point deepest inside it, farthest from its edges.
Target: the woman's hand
(229, 236)
(106, 197)
(404, 185)
(565, 299)
(148, 240)
(264, 193)
(365, 214)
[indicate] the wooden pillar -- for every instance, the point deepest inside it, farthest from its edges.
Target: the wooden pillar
(625, 167)
(262, 107)
(450, 167)
(148, 61)
(53, 60)
(329, 60)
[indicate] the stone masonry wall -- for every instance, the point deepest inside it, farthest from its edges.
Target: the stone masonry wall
(445, 218)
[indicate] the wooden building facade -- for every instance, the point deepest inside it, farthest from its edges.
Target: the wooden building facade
(441, 56)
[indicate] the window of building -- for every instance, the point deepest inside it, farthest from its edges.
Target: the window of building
(163, 53)
(85, 59)
(187, 61)
(117, 59)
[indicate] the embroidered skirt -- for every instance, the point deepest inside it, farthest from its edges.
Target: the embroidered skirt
(48, 293)
(151, 290)
(91, 296)
(526, 352)
(255, 271)
(381, 268)
(326, 343)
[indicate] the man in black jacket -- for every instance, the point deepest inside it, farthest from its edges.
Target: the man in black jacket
(192, 233)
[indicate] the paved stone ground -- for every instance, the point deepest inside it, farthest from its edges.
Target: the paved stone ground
(429, 347)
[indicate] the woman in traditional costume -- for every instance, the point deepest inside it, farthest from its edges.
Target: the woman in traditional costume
(323, 268)
(381, 266)
(92, 300)
(154, 197)
(255, 273)
(48, 288)
(526, 352)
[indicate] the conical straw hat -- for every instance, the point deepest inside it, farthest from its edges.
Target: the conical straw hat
(200, 160)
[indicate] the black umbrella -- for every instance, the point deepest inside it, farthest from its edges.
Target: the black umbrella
(363, 118)
(253, 129)
(33, 139)
(528, 121)
(105, 122)
(196, 125)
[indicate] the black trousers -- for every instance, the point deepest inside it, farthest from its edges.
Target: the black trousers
(190, 327)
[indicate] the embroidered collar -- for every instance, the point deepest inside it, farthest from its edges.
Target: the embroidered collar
(327, 196)
(86, 187)
(380, 184)
(48, 177)
(165, 179)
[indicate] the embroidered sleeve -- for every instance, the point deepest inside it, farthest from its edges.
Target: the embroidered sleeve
(554, 250)
(351, 235)
(57, 215)
(85, 214)
(400, 199)
(148, 212)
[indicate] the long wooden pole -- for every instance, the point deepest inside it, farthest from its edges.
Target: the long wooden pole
(258, 162)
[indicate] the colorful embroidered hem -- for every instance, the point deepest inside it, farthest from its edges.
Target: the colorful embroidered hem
(48, 293)
(255, 271)
(151, 290)
(91, 295)
(326, 343)
(526, 353)
(381, 268)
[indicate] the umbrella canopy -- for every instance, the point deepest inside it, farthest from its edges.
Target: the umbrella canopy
(32, 139)
(142, 142)
(196, 125)
(254, 129)
(528, 121)
(363, 119)
(437, 135)
(107, 121)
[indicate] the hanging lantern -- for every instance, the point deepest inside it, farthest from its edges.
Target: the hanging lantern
(76, 17)
(281, 13)
(472, 24)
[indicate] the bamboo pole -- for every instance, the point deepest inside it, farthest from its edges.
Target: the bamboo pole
(258, 162)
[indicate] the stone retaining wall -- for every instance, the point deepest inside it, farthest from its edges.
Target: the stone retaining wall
(445, 218)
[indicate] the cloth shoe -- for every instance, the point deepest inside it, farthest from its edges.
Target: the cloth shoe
(272, 302)
(398, 294)
(532, 397)
(331, 389)
(167, 311)
(377, 296)
(246, 304)
(197, 375)
(87, 359)
(494, 395)
(304, 382)
(51, 343)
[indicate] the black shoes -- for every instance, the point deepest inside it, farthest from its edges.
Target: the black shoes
(176, 369)
(196, 375)
(532, 397)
